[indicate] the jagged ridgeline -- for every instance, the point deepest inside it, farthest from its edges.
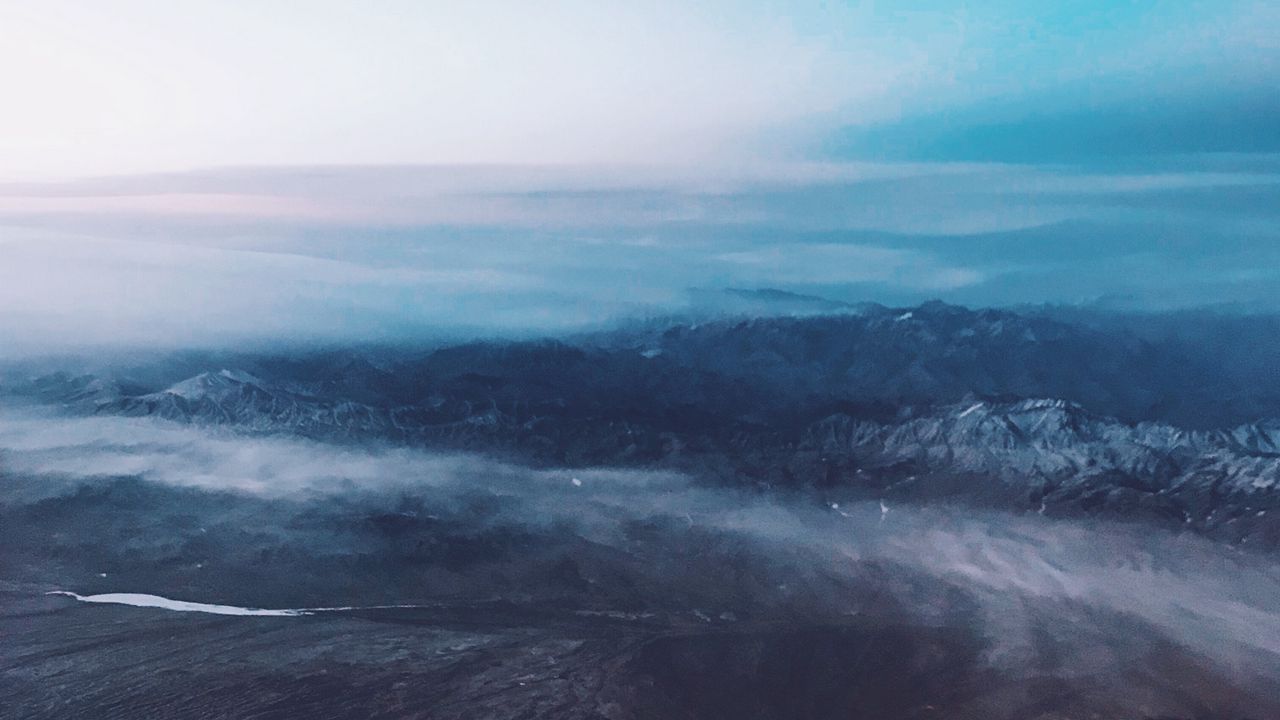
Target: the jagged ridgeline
(1171, 418)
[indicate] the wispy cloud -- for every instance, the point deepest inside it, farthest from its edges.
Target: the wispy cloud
(59, 290)
(368, 253)
(1221, 604)
(830, 263)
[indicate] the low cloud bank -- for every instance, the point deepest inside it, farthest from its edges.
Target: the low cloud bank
(219, 258)
(1022, 574)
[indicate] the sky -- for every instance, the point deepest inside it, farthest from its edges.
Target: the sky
(214, 172)
(133, 86)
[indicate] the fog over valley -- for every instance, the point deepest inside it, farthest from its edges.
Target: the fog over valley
(617, 566)
(845, 508)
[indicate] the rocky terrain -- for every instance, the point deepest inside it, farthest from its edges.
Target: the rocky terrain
(487, 591)
(851, 511)
(1021, 411)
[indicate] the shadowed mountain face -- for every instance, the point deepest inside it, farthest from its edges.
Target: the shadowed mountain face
(1151, 419)
(1189, 370)
(908, 513)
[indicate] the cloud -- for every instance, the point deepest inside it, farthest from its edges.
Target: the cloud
(64, 290)
(141, 87)
(829, 263)
(145, 87)
(35, 442)
(1023, 576)
(396, 253)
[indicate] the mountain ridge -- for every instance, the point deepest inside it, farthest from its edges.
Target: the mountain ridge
(910, 404)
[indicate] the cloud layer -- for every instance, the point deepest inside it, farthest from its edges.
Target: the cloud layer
(147, 87)
(386, 254)
(1218, 603)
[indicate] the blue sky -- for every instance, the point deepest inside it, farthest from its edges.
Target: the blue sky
(212, 172)
(145, 86)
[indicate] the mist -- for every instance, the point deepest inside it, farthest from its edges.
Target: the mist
(813, 555)
(340, 255)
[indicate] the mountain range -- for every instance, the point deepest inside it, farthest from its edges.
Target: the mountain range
(1032, 410)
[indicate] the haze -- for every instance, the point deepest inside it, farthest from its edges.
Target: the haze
(216, 173)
